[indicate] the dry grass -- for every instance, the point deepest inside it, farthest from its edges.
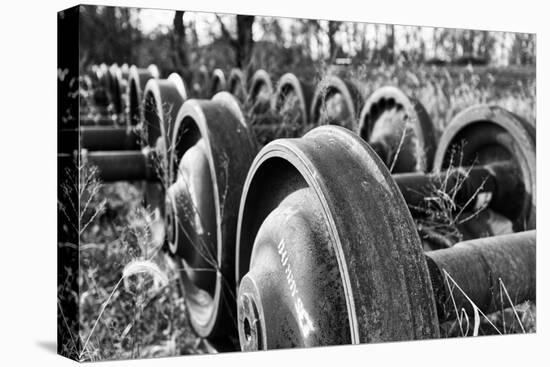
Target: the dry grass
(440, 217)
(438, 223)
(130, 301)
(126, 291)
(445, 91)
(511, 319)
(285, 123)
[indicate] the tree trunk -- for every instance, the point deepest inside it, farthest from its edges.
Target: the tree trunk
(245, 41)
(455, 44)
(390, 44)
(422, 46)
(333, 46)
(468, 42)
(179, 46)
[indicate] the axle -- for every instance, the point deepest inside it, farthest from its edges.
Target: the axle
(124, 165)
(484, 269)
(103, 138)
(102, 120)
(497, 181)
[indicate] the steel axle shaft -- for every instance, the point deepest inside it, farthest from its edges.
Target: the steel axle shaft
(124, 165)
(102, 120)
(484, 269)
(103, 138)
(462, 184)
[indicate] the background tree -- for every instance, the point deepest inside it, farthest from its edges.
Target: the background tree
(109, 34)
(335, 49)
(523, 50)
(179, 47)
(115, 34)
(388, 53)
(244, 42)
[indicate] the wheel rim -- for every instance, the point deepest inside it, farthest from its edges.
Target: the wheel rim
(115, 89)
(360, 225)
(218, 82)
(161, 102)
(488, 134)
(237, 85)
(138, 78)
(335, 102)
(290, 89)
(213, 147)
(399, 129)
(260, 92)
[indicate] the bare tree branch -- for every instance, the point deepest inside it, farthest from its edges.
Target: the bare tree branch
(225, 33)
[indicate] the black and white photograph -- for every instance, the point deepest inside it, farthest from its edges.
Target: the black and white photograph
(241, 183)
(268, 186)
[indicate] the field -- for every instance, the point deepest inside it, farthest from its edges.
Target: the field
(131, 304)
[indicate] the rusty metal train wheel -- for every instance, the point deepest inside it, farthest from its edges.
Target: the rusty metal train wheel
(162, 99)
(492, 136)
(290, 91)
(399, 129)
(323, 262)
(116, 88)
(137, 80)
(94, 74)
(101, 88)
(125, 70)
(106, 82)
(201, 82)
(260, 92)
(217, 82)
(336, 102)
(124, 75)
(236, 85)
(212, 151)
(154, 71)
